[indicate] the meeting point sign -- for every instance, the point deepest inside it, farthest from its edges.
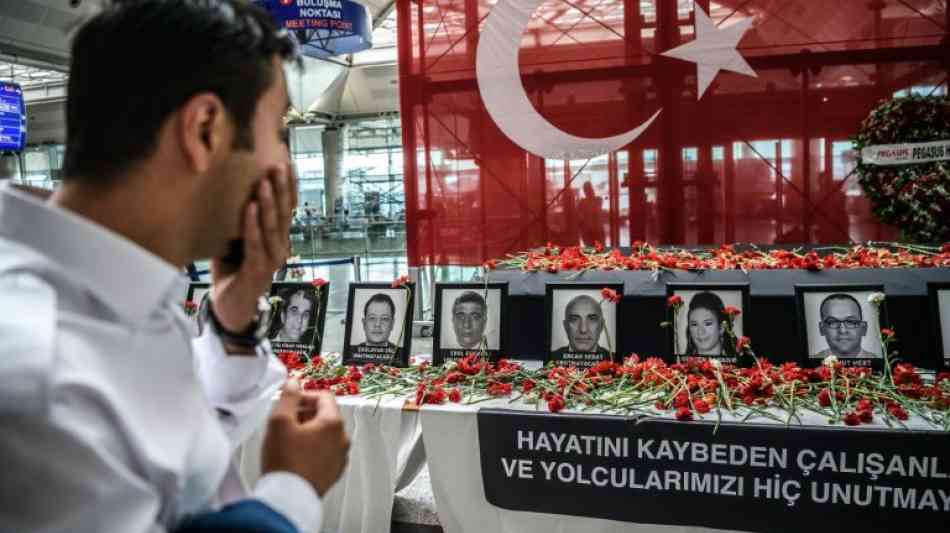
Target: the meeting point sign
(744, 477)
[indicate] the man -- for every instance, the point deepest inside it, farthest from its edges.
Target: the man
(843, 326)
(583, 324)
(469, 315)
(295, 312)
(109, 408)
(379, 315)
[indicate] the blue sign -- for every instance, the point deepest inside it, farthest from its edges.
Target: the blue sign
(12, 118)
(324, 28)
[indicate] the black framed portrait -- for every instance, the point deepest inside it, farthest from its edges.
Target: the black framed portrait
(581, 323)
(469, 317)
(939, 295)
(841, 320)
(298, 316)
(703, 325)
(378, 324)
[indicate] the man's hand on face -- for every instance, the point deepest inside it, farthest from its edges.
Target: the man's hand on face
(266, 233)
(305, 436)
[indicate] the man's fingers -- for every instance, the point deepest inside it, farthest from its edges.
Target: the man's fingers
(328, 412)
(293, 185)
(271, 228)
(254, 253)
(284, 200)
(289, 401)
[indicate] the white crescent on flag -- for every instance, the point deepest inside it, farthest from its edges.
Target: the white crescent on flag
(499, 83)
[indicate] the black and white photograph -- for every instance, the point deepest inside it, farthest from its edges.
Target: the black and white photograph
(298, 314)
(701, 322)
(378, 324)
(840, 320)
(469, 317)
(581, 324)
(939, 294)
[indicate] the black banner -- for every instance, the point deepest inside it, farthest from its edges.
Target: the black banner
(745, 476)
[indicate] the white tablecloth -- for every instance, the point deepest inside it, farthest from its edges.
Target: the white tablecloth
(386, 453)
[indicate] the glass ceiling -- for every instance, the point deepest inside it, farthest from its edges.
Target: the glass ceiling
(28, 76)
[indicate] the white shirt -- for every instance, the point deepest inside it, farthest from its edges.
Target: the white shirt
(113, 417)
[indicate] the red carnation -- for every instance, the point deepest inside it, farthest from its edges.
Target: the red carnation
(742, 343)
(887, 333)
(455, 395)
(731, 311)
(684, 414)
(610, 295)
(852, 419)
(701, 406)
(681, 400)
(527, 385)
(897, 411)
(674, 301)
(499, 389)
(319, 282)
(556, 403)
(400, 281)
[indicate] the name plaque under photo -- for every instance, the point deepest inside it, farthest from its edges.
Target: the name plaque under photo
(746, 477)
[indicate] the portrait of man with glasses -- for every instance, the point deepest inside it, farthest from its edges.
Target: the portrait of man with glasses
(842, 323)
(843, 326)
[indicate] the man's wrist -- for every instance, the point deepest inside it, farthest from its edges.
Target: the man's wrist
(242, 342)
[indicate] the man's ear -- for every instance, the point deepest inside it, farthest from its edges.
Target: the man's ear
(203, 130)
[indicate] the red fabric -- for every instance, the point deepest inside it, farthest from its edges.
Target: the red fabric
(728, 168)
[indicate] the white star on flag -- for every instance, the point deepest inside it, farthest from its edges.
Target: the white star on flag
(714, 49)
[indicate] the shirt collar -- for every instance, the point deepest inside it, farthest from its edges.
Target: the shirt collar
(127, 278)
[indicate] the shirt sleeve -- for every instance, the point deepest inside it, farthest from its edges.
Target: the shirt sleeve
(241, 388)
(293, 497)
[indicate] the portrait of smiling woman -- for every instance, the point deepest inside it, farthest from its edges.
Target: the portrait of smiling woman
(700, 321)
(704, 325)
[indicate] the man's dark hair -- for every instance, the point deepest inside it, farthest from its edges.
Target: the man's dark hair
(470, 297)
(840, 296)
(381, 298)
(166, 51)
(288, 293)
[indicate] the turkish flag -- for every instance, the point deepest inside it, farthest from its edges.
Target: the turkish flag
(614, 121)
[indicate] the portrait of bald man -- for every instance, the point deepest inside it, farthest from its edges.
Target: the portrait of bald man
(844, 322)
(583, 323)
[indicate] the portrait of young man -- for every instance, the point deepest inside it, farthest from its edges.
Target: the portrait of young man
(119, 415)
(377, 323)
(842, 323)
(469, 318)
(582, 326)
(298, 316)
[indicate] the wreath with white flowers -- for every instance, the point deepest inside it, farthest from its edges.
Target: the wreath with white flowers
(913, 197)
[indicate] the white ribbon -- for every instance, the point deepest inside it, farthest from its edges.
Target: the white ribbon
(906, 153)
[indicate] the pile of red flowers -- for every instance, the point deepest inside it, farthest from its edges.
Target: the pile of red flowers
(643, 256)
(693, 389)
